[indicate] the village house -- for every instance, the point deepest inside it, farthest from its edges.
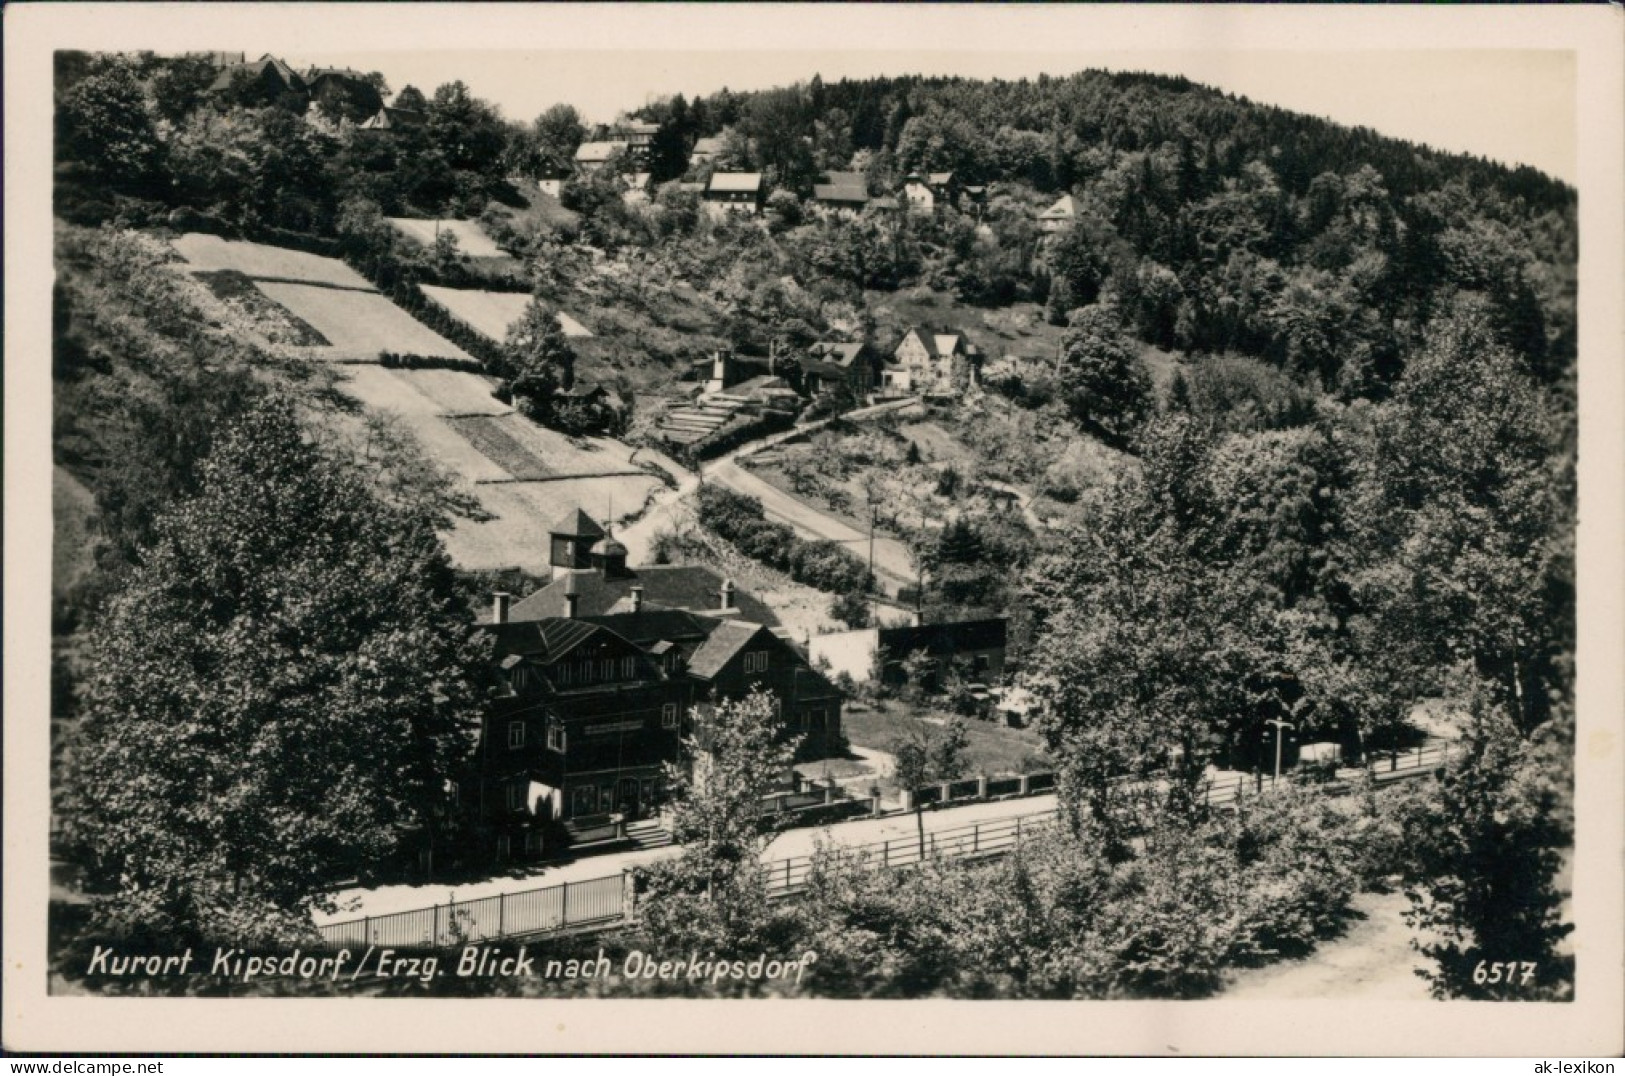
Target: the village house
(598, 676)
(833, 363)
(929, 364)
(394, 119)
(842, 194)
(735, 192)
(1060, 216)
(705, 151)
(976, 648)
(269, 76)
(591, 156)
(929, 192)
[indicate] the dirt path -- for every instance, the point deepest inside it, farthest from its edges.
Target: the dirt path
(1373, 961)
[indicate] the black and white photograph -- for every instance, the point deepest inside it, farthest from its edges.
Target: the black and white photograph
(942, 505)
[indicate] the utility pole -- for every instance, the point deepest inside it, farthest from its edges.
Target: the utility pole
(1279, 726)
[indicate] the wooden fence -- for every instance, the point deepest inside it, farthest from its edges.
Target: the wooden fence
(607, 901)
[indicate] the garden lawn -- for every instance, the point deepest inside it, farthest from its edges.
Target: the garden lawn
(994, 749)
(360, 325)
(471, 238)
(490, 313)
(262, 262)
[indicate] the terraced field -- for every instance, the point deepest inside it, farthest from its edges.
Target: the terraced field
(422, 392)
(471, 239)
(491, 312)
(208, 253)
(360, 324)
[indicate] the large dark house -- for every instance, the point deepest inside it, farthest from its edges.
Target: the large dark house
(600, 674)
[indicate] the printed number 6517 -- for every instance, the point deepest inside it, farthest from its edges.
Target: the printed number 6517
(1504, 971)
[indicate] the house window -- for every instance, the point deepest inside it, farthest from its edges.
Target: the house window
(606, 668)
(516, 735)
(629, 667)
(503, 848)
(756, 662)
(555, 738)
(516, 796)
(668, 716)
(583, 801)
(569, 549)
(564, 675)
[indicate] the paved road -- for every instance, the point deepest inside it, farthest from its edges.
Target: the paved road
(795, 842)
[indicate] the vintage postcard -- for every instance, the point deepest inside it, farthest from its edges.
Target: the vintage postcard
(857, 529)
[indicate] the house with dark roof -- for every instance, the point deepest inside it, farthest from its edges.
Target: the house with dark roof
(598, 676)
(832, 363)
(265, 79)
(842, 193)
(928, 363)
(975, 648)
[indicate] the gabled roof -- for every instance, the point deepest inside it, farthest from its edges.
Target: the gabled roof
(688, 586)
(649, 627)
(939, 179)
(576, 524)
(705, 147)
(590, 152)
(334, 72)
(729, 638)
(829, 192)
(835, 352)
(257, 68)
(736, 182)
(1065, 208)
(546, 640)
(388, 118)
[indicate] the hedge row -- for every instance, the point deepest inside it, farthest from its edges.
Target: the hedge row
(739, 519)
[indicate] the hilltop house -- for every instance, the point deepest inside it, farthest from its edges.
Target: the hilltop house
(735, 192)
(598, 676)
(929, 364)
(267, 77)
(929, 192)
(1060, 216)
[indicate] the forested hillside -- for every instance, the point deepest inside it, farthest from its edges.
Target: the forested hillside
(1288, 408)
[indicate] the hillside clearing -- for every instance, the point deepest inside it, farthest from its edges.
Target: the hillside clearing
(471, 238)
(360, 325)
(210, 253)
(492, 312)
(421, 392)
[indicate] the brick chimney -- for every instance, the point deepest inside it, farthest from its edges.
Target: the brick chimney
(499, 606)
(727, 594)
(637, 598)
(570, 596)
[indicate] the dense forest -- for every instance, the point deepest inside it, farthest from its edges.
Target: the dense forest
(1325, 379)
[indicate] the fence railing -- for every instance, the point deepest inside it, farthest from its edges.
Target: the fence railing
(608, 900)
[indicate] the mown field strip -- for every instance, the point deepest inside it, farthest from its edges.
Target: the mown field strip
(212, 253)
(471, 239)
(492, 312)
(423, 392)
(360, 324)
